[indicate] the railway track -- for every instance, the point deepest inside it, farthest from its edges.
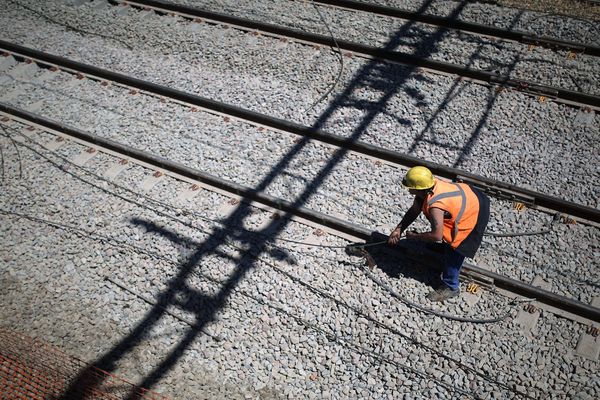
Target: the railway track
(493, 187)
(250, 300)
(558, 94)
(84, 147)
(318, 323)
(486, 30)
(450, 23)
(81, 150)
(345, 229)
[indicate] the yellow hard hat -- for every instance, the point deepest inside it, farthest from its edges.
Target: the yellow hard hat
(419, 178)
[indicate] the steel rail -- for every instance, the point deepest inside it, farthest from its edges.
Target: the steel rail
(450, 23)
(520, 288)
(491, 186)
(559, 94)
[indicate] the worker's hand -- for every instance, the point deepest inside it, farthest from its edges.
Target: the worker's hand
(395, 236)
(412, 235)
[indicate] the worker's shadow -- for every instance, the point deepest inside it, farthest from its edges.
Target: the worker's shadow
(409, 259)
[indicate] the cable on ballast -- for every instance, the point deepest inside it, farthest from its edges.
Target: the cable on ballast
(516, 234)
(2, 161)
(429, 310)
(218, 222)
(545, 14)
(69, 27)
(170, 207)
(118, 243)
(18, 156)
(341, 58)
(349, 247)
(550, 225)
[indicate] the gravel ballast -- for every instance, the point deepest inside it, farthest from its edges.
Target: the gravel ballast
(406, 111)
(300, 322)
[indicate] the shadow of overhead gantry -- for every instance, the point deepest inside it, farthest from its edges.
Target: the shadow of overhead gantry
(206, 306)
(428, 134)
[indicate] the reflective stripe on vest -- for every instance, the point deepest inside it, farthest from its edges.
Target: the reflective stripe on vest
(460, 192)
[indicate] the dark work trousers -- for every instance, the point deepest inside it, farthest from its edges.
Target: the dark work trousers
(453, 261)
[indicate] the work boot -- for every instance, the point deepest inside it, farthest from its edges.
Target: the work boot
(442, 293)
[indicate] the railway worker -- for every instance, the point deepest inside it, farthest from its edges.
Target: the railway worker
(458, 214)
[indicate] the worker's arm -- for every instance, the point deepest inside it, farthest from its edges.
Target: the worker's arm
(410, 216)
(436, 219)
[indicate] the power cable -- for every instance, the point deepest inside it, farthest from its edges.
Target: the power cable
(441, 354)
(229, 243)
(351, 247)
(550, 224)
(341, 58)
(117, 243)
(166, 205)
(146, 207)
(221, 225)
(18, 156)
(69, 27)
(516, 234)
(556, 15)
(366, 351)
(2, 160)
(435, 312)
(16, 150)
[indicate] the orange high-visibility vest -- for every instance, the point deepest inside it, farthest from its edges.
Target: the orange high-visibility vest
(460, 206)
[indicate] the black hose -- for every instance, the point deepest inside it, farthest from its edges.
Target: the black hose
(441, 354)
(550, 228)
(514, 234)
(340, 71)
(2, 162)
(430, 311)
